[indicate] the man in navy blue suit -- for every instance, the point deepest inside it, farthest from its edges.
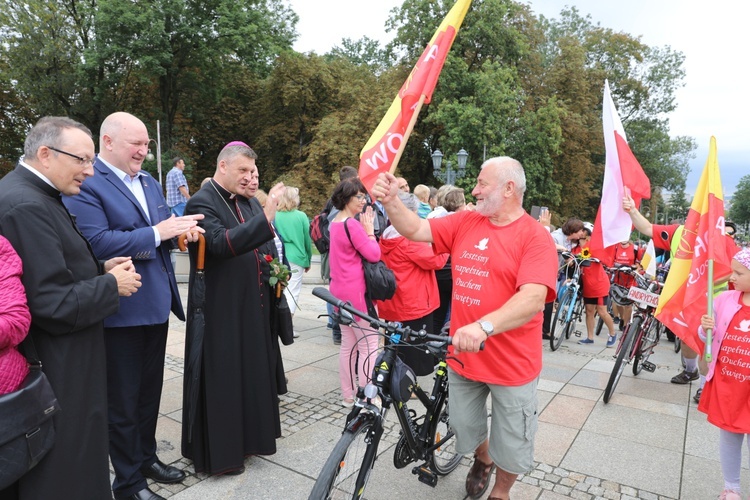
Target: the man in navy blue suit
(122, 211)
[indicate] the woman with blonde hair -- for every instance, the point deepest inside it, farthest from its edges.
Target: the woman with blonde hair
(293, 227)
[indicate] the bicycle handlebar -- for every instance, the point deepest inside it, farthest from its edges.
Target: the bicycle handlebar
(579, 261)
(641, 280)
(436, 343)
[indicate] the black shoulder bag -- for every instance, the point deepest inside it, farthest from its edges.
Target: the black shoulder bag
(379, 280)
(27, 430)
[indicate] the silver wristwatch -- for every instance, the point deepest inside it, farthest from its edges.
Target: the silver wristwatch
(487, 327)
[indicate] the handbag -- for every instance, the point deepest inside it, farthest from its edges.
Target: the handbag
(379, 279)
(27, 430)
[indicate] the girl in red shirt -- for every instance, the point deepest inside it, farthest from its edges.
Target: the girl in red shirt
(595, 292)
(725, 397)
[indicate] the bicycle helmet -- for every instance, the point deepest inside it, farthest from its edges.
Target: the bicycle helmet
(620, 295)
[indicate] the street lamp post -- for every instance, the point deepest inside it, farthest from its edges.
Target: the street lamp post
(450, 175)
(150, 156)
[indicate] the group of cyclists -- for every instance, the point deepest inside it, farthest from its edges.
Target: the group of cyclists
(597, 280)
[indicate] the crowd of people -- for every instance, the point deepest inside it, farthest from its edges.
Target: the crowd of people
(85, 244)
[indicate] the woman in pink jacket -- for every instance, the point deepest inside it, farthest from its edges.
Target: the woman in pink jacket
(14, 319)
(726, 395)
(414, 263)
(358, 341)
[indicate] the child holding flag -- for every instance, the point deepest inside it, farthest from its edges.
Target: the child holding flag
(727, 391)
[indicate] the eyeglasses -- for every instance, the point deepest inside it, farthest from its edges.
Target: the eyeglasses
(360, 197)
(729, 233)
(81, 160)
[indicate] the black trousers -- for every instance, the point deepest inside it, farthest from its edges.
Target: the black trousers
(135, 371)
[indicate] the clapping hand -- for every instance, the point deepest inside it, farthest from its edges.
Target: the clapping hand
(175, 226)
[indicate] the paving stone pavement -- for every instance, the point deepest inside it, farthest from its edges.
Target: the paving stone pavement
(648, 443)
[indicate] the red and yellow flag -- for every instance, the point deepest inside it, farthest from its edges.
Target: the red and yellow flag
(389, 138)
(684, 298)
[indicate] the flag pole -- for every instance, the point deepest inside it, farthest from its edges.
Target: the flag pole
(407, 132)
(710, 312)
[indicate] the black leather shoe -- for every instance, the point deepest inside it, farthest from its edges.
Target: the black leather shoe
(163, 473)
(697, 397)
(144, 494)
(685, 377)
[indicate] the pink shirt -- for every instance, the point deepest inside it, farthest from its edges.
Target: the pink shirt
(347, 276)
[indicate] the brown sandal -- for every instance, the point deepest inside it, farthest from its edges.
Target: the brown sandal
(478, 478)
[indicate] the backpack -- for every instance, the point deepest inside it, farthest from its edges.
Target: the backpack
(319, 232)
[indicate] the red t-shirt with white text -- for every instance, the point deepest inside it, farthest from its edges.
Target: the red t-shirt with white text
(725, 397)
(490, 263)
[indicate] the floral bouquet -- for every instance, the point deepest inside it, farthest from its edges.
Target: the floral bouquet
(280, 274)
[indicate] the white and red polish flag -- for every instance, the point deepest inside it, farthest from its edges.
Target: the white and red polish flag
(622, 174)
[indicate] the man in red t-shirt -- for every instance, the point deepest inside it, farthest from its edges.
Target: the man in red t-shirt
(504, 270)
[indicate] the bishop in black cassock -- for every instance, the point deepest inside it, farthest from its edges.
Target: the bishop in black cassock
(242, 374)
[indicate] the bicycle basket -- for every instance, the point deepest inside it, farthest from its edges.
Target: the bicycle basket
(620, 295)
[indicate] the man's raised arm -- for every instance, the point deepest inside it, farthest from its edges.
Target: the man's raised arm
(406, 222)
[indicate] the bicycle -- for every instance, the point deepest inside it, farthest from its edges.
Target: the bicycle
(570, 308)
(428, 438)
(599, 321)
(642, 335)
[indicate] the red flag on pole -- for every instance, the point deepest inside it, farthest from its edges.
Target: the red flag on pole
(384, 147)
(684, 298)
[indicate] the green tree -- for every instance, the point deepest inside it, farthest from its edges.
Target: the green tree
(678, 205)
(15, 120)
(44, 42)
(740, 210)
(580, 56)
(313, 117)
(88, 58)
(363, 52)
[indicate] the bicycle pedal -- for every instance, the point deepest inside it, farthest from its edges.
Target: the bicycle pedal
(577, 333)
(425, 475)
(649, 366)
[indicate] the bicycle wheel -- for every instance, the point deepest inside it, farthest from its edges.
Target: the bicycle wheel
(345, 473)
(575, 316)
(560, 322)
(599, 325)
(677, 344)
(649, 339)
(599, 320)
(625, 351)
(444, 458)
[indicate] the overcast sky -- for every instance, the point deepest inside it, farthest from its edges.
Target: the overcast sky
(714, 36)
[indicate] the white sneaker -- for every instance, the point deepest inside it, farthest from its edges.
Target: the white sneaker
(295, 334)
